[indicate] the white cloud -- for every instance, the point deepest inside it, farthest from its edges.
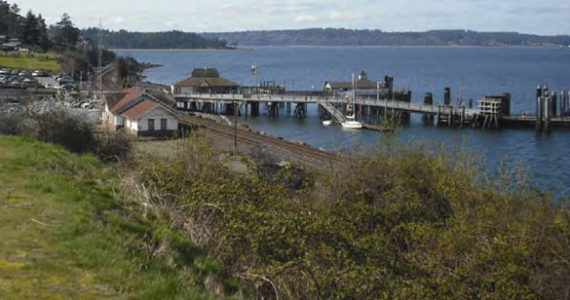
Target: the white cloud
(344, 16)
(305, 18)
(192, 10)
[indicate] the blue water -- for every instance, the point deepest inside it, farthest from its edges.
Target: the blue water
(474, 71)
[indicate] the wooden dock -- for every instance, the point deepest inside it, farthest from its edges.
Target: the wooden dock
(492, 113)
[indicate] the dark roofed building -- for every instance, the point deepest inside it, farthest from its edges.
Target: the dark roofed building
(12, 45)
(205, 80)
(205, 72)
(362, 85)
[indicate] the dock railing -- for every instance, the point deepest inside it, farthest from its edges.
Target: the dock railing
(382, 103)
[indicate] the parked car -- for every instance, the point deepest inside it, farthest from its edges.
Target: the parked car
(64, 79)
(15, 82)
(24, 74)
(29, 82)
(39, 73)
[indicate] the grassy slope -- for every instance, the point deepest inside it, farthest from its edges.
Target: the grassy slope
(62, 235)
(38, 62)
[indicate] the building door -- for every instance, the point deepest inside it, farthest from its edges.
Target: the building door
(150, 124)
(163, 124)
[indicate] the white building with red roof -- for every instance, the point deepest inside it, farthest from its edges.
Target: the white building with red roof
(140, 113)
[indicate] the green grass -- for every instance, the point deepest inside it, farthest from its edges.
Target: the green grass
(65, 234)
(38, 61)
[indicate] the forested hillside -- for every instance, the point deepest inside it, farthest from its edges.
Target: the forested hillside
(153, 40)
(339, 36)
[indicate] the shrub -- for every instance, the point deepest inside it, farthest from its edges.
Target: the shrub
(58, 126)
(397, 221)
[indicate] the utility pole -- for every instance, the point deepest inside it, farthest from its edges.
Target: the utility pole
(235, 126)
(80, 83)
(100, 57)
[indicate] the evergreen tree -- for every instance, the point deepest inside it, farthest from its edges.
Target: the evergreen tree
(30, 34)
(65, 34)
(44, 41)
(9, 19)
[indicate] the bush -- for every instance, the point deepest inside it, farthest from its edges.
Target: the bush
(397, 221)
(58, 126)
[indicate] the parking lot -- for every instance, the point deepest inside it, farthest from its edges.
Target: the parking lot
(35, 79)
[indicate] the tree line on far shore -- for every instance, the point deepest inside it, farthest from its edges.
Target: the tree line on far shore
(350, 37)
(123, 39)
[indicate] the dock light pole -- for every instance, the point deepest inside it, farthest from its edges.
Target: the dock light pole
(254, 72)
(385, 108)
(377, 91)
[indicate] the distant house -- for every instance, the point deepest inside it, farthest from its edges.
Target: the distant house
(205, 80)
(139, 112)
(362, 85)
(10, 45)
(3, 39)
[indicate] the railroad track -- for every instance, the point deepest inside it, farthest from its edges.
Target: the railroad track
(302, 153)
(106, 75)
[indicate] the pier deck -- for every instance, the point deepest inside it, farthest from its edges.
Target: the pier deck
(284, 98)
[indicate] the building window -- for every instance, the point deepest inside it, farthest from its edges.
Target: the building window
(150, 124)
(163, 124)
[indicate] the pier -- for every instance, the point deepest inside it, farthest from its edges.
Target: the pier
(207, 92)
(445, 115)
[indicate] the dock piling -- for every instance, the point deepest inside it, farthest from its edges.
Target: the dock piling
(539, 113)
(447, 96)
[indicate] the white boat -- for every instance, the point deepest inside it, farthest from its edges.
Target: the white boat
(327, 122)
(351, 122)
(351, 125)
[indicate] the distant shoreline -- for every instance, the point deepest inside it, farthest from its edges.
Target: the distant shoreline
(250, 47)
(178, 50)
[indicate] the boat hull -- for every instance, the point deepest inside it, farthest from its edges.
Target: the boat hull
(351, 125)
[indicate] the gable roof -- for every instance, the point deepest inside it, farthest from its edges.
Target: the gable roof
(139, 110)
(206, 82)
(206, 78)
(128, 96)
(110, 99)
(205, 72)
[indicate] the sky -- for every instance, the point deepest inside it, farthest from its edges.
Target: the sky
(548, 17)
